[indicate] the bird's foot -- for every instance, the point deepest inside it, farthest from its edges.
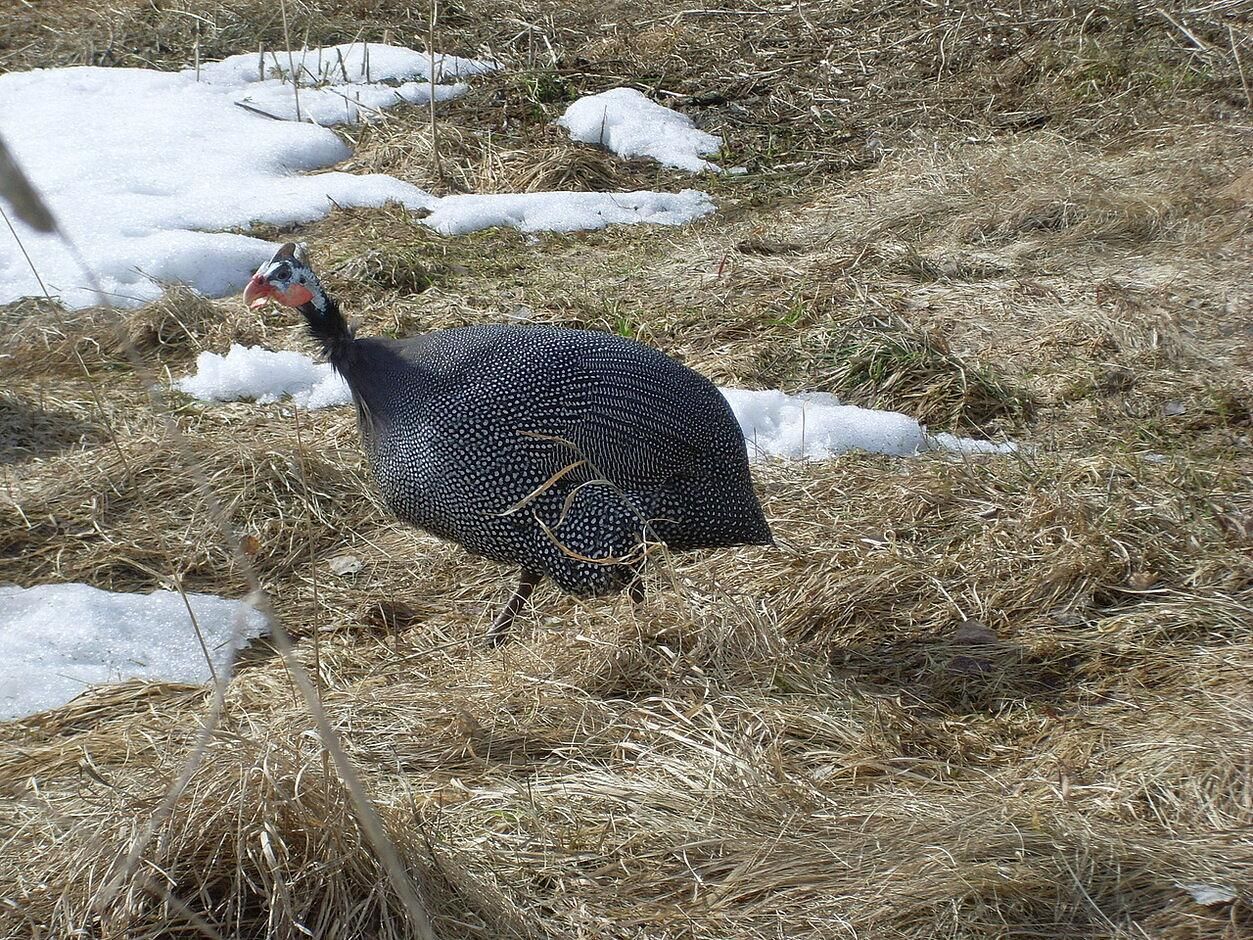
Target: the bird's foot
(499, 630)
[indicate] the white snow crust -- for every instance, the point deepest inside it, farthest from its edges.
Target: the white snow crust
(146, 171)
(265, 376)
(631, 125)
(341, 104)
(565, 212)
(815, 424)
(349, 63)
(341, 84)
(58, 639)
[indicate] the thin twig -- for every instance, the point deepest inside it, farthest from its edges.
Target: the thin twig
(357, 102)
(108, 425)
(91, 381)
(17, 238)
(313, 559)
(291, 62)
(1198, 43)
(195, 625)
(635, 555)
(543, 488)
(436, 169)
(1244, 79)
(125, 870)
(248, 107)
(366, 814)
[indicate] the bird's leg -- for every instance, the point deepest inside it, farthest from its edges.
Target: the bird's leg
(500, 626)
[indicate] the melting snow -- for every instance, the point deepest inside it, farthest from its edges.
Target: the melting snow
(148, 170)
(253, 372)
(1210, 895)
(628, 123)
(815, 424)
(144, 169)
(58, 639)
(566, 212)
(809, 425)
(340, 104)
(340, 84)
(351, 63)
(970, 445)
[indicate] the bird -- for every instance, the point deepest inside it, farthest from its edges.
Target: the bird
(568, 453)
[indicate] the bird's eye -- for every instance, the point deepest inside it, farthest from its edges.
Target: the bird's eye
(282, 272)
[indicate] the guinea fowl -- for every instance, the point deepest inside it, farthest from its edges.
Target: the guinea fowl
(566, 452)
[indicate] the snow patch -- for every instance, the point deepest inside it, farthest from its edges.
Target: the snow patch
(341, 84)
(341, 104)
(565, 212)
(350, 63)
(1210, 895)
(631, 125)
(145, 170)
(969, 445)
(265, 376)
(815, 424)
(58, 639)
(810, 425)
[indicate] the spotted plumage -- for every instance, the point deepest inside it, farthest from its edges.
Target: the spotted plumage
(564, 452)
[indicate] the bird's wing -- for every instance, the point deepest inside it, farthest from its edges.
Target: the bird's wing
(638, 417)
(634, 415)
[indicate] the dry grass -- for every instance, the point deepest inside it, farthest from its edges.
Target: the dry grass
(996, 697)
(797, 738)
(890, 364)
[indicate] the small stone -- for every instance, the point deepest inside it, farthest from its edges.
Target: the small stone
(344, 565)
(974, 632)
(1173, 409)
(1210, 895)
(980, 644)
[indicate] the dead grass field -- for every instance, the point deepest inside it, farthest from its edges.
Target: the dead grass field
(1001, 697)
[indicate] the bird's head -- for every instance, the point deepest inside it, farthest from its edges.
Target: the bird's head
(286, 279)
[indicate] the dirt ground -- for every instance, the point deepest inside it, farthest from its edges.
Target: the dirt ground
(1003, 696)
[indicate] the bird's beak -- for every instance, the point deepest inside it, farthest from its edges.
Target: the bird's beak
(257, 292)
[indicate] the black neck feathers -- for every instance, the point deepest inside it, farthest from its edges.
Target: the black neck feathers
(328, 326)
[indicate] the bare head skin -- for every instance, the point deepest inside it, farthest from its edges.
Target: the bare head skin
(285, 279)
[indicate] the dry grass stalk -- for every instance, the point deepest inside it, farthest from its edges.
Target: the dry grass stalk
(291, 64)
(25, 202)
(436, 171)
